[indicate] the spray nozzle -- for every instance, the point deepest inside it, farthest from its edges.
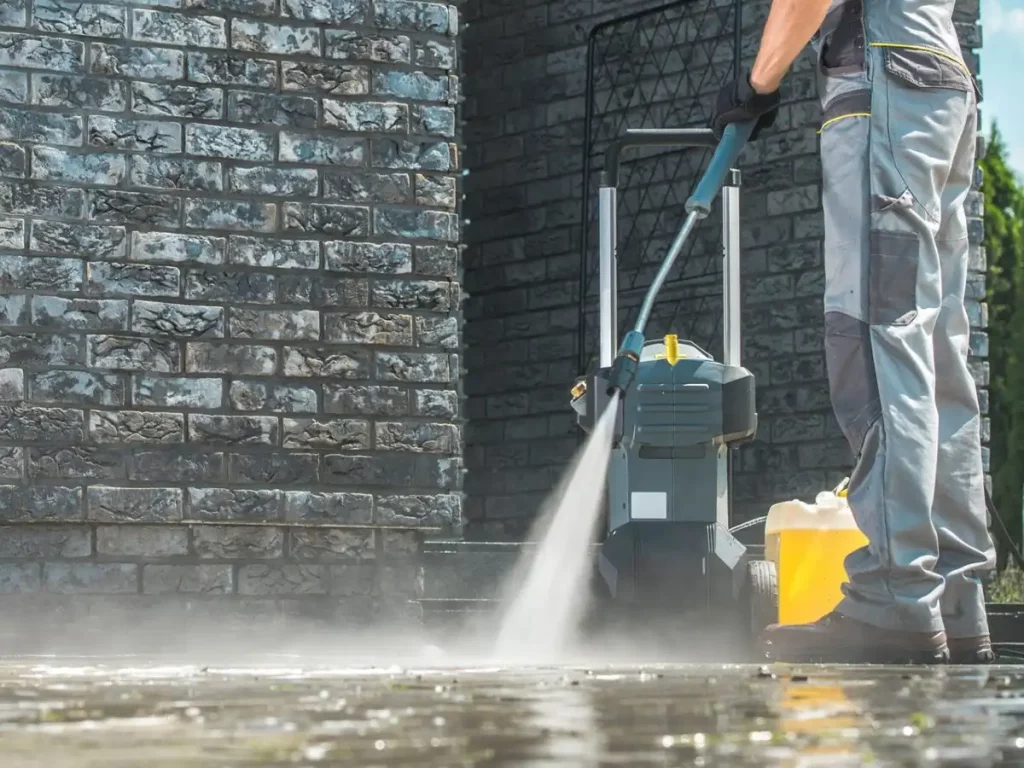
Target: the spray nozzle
(625, 366)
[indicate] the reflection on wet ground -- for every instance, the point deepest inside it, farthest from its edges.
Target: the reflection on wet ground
(125, 712)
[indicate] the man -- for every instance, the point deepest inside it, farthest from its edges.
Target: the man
(898, 153)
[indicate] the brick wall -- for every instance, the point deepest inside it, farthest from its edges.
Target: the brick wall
(229, 326)
(524, 130)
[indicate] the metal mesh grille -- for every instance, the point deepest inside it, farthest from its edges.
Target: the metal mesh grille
(660, 68)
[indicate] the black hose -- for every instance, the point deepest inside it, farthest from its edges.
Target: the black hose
(1007, 538)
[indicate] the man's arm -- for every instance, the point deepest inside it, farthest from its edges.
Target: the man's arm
(791, 25)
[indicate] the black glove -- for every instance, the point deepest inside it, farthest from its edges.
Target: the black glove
(738, 102)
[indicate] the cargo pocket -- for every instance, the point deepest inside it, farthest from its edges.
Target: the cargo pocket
(840, 41)
(892, 277)
(851, 376)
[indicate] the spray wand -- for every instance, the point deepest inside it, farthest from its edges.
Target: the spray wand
(698, 207)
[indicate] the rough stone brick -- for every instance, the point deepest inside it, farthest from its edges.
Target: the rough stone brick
(28, 423)
(250, 7)
(172, 465)
(344, 220)
(136, 427)
(413, 15)
(274, 469)
(274, 254)
(22, 272)
(395, 188)
(12, 385)
(230, 215)
(279, 398)
(369, 328)
(80, 314)
(275, 324)
(336, 434)
(29, 198)
(41, 350)
(12, 463)
(282, 580)
(35, 52)
(177, 100)
(175, 173)
(98, 242)
(423, 368)
(266, 109)
(368, 116)
(133, 279)
(233, 143)
(14, 310)
(433, 54)
(76, 462)
(232, 430)
(362, 46)
(433, 120)
(12, 233)
(228, 69)
(137, 63)
(127, 354)
(81, 92)
(325, 78)
(327, 11)
(177, 248)
(44, 541)
(414, 155)
(232, 504)
(175, 392)
(411, 294)
(439, 191)
(260, 37)
(141, 540)
(13, 87)
(417, 511)
(50, 164)
(77, 388)
(19, 578)
(178, 29)
(13, 160)
(134, 135)
(90, 578)
(217, 542)
(331, 508)
(366, 400)
(324, 292)
(231, 287)
(141, 209)
(436, 403)
(230, 359)
(187, 579)
(14, 13)
(322, 150)
(331, 544)
(41, 503)
(182, 320)
(274, 182)
(417, 438)
(121, 505)
(415, 224)
(437, 332)
(411, 85)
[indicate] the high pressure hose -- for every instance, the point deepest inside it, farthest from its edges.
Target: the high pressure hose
(625, 365)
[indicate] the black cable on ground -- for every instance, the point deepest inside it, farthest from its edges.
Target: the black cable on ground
(1007, 539)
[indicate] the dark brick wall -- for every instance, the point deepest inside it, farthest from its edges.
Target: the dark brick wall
(526, 65)
(228, 255)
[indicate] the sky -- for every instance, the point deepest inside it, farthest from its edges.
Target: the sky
(1002, 67)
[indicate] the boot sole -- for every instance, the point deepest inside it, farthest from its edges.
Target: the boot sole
(864, 656)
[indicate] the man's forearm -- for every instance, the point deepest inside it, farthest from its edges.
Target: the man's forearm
(791, 25)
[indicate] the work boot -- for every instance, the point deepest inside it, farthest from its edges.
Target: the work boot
(971, 650)
(837, 639)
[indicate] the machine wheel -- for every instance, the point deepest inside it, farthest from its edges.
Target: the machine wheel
(762, 593)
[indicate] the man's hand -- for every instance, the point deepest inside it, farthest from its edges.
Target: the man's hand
(739, 102)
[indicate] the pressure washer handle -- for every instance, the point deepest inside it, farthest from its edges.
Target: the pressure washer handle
(722, 161)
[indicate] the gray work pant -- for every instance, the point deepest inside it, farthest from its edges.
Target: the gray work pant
(898, 156)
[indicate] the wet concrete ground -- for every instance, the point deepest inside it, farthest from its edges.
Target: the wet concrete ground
(113, 713)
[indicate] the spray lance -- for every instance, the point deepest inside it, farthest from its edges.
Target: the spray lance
(698, 207)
